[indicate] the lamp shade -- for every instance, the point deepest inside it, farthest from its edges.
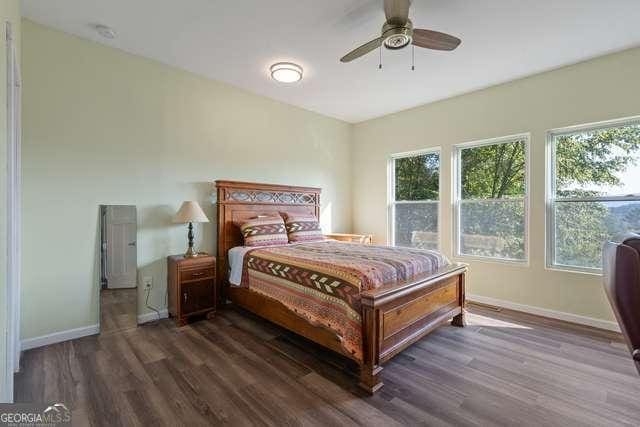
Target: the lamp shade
(190, 212)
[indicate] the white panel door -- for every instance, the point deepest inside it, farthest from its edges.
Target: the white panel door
(122, 253)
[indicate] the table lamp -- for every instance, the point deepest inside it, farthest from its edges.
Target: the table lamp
(190, 212)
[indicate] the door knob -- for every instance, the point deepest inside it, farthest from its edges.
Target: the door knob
(132, 244)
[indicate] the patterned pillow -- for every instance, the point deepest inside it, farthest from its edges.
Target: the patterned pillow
(264, 231)
(303, 228)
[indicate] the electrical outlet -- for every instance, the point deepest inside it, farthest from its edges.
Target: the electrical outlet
(147, 281)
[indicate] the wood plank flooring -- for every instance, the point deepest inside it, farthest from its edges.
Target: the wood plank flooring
(508, 369)
(118, 309)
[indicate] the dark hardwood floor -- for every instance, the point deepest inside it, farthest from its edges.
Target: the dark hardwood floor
(118, 309)
(509, 369)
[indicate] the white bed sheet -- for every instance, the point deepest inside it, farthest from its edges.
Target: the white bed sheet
(235, 257)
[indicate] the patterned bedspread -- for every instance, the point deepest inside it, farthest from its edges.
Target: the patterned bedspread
(322, 281)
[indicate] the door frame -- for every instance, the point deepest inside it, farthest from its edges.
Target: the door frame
(14, 261)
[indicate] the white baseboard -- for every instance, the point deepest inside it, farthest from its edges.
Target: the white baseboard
(71, 334)
(150, 317)
(57, 337)
(544, 312)
(84, 331)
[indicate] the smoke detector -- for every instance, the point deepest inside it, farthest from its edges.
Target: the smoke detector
(104, 30)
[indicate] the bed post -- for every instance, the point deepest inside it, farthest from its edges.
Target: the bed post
(460, 320)
(370, 369)
(221, 253)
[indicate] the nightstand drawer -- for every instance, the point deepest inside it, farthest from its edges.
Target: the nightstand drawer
(197, 274)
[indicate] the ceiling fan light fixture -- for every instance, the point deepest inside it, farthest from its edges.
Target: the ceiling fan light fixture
(397, 36)
(286, 72)
(397, 41)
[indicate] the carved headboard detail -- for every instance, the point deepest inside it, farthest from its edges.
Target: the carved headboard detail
(240, 201)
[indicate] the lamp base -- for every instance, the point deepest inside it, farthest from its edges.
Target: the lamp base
(191, 253)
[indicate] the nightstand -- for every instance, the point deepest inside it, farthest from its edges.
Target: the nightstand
(191, 286)
(354, 238)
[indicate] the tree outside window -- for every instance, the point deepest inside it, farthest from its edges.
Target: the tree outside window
(595, 194)
(491, 199)
(415, 200)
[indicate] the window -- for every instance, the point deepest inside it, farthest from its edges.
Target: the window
(414, 199)
(491, 199)
(593, 191)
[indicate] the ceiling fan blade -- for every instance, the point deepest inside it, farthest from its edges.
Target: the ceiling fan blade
(397, 11)
(434, 40)
(362, 50)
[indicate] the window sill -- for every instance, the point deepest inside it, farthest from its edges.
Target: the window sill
(566, 269)
(513, 263)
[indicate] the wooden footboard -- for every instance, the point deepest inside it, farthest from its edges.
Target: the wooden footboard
(395, 317)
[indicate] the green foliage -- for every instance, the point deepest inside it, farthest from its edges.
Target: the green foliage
(584, 161)
(417, 224)
(493, 228)
(628, 217)
(594, 158)
(493, 171)
(417, 178)
(581, 228)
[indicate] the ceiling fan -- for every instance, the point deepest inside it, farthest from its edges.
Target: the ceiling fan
(398, 32)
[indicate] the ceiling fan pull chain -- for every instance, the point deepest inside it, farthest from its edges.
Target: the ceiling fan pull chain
(413, 58)
(380, 64)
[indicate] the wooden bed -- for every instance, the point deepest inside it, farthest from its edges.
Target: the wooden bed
(393, 317)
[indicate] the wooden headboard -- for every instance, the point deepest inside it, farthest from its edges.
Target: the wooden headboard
(240, 201)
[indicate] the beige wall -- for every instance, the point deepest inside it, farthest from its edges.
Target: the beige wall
(102, 126)
(9, 11)
(105, 127)
(601, 89)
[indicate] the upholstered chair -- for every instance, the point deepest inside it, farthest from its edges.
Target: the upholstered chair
(622, 285)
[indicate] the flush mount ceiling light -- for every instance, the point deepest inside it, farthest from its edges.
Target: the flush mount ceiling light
(104, 31)
(286, 72)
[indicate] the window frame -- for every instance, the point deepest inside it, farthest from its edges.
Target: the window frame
(391, 191)
(550, 189)
(456, 191)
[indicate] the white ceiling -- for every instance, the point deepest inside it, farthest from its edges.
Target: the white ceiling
(235, 41)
